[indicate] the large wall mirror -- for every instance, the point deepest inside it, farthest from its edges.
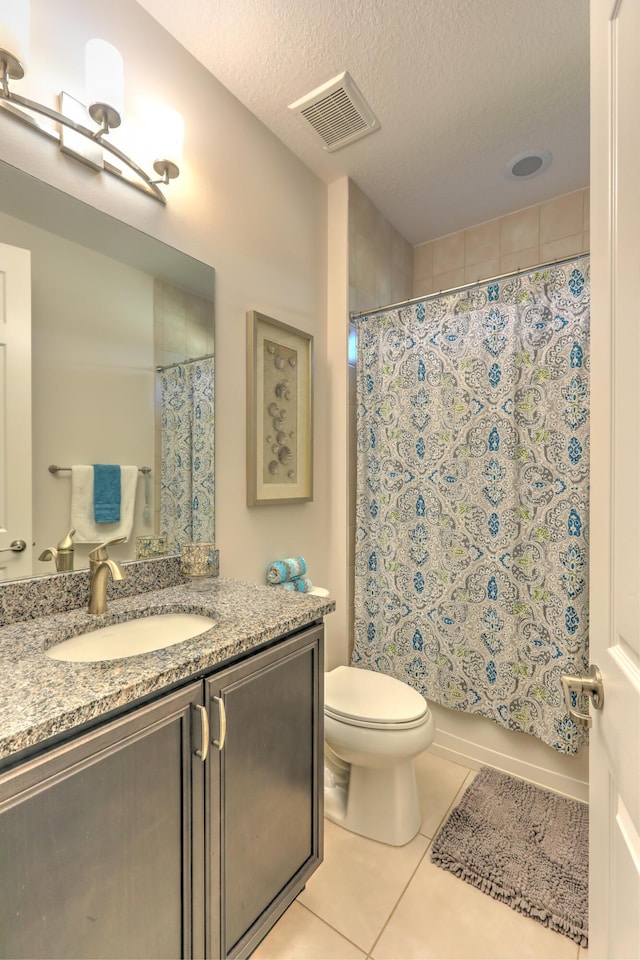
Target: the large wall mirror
(120, 326)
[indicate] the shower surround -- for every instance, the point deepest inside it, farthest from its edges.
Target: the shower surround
(471, 578)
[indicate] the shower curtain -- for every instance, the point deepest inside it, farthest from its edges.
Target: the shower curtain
(472, 523)
(187, 480)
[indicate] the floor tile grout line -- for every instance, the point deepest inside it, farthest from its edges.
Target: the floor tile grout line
(369, 953)
(456, 798)
(395, 906)
(331, 927)
(402, 892)
(428, 847)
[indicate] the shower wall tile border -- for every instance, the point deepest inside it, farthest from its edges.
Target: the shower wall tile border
(555, 228)
(561, 217)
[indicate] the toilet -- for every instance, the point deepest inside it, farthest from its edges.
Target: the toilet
(374, 725)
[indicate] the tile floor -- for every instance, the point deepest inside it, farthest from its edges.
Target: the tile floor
(369, 900)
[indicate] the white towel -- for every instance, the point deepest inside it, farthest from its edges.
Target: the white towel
(87, 530)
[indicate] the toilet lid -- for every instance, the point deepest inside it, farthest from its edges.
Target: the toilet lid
(368, 697)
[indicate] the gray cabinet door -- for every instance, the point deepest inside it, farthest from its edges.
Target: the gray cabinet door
(101, 844)
(264, 790)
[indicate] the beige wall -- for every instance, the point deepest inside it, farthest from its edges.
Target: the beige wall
(546, 231)
(338, 450)
(244, 204)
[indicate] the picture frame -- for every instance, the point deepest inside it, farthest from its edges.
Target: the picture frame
(279, 412)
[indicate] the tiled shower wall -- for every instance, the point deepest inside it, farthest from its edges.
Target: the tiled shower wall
(546, 231)
(384, 268)
(380, 259)
(380, 272)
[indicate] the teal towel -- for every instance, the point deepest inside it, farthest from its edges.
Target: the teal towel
(298, 584)
(106, 492)
(281, 570)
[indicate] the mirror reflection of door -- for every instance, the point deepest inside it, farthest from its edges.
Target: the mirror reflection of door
(15, 411)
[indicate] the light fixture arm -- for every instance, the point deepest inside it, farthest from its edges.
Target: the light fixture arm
(14, 100)
(10, 67)
(167, 169)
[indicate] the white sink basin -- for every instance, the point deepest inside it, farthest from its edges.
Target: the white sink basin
(131, 637)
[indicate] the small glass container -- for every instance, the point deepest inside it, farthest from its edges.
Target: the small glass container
(197, 562)
(148, 547)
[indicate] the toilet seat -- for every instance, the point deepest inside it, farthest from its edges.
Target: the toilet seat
(363, 698)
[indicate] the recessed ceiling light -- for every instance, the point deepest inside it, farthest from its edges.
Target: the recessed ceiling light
(528, 164)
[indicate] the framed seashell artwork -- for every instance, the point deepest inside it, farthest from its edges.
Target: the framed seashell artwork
(279, 412)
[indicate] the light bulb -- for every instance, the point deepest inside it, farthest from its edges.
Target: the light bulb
(104, 83)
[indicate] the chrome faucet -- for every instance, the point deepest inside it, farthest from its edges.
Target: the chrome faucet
(100, 567)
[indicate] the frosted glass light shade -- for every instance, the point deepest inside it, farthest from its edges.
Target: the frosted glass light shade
(104, 77)
(14, 29)
(167, 137)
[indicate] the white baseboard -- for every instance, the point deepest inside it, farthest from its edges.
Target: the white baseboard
(475, 755)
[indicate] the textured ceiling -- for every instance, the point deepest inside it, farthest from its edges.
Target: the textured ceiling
(459, 87)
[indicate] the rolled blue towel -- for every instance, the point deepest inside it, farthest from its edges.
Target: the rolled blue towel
(281, 570)
(298, 584)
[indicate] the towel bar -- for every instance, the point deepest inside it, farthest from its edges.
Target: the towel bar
(54, 468)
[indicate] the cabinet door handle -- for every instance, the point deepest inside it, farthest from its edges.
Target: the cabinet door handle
(222, 713)
(204, 720)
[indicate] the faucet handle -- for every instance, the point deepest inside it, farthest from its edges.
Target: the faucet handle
(99, 553)
(67, 542)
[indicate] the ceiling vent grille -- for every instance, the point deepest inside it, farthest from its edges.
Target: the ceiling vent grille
(337, 112)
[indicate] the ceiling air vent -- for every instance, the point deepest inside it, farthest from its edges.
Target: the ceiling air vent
(337, 112)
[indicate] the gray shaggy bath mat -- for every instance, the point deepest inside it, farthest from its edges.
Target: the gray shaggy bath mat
(523, 845)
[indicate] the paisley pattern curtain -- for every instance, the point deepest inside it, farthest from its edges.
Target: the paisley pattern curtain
(472, 528)
(187, 480)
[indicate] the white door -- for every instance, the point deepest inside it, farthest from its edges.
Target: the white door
(614, 754)
(15, 412)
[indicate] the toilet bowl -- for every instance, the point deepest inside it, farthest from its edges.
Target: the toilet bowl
(374, 726)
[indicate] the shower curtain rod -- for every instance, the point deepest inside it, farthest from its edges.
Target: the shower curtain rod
(182, 363)
(467, 286)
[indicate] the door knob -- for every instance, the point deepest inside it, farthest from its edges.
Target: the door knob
(589, 684)
(16, 546)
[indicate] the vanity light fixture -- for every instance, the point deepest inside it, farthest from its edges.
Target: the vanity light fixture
(83, 130)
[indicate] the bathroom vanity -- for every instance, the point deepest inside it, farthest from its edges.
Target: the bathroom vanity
(182, 822)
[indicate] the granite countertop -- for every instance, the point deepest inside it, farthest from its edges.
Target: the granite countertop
(42, 698)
